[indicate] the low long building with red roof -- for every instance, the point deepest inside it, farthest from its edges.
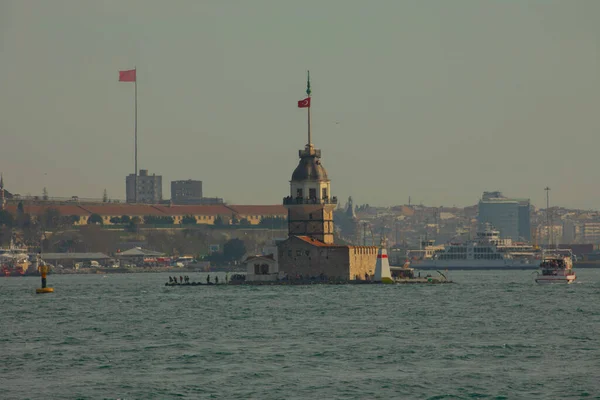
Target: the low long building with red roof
(203, 214)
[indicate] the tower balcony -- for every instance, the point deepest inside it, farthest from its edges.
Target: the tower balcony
(309, 151)
(301, 200)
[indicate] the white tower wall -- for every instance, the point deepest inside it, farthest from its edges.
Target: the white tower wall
(382, 267)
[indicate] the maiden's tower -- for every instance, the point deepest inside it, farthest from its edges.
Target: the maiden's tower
(310, 251)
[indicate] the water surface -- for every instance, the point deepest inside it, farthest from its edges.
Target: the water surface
(493, 334)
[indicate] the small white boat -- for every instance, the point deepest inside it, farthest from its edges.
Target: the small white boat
(556, 267)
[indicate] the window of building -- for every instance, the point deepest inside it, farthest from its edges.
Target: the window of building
(312, 193)
(298, 192)
(298, 252)
(264, 269)
(324, 193)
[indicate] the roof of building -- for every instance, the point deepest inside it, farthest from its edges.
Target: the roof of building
(123, 209)
(260, 210)
(112, 209)
(195, 210)
(75, 256)
(37, 209)
(138, 252)
(309, 168)
(317, 243)
(268, 257)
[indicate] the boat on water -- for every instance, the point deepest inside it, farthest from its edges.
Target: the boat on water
(556, 267)
(488, 251)
(14, 261)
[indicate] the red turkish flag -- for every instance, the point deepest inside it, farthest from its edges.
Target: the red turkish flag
(127, 76)
(304, 103)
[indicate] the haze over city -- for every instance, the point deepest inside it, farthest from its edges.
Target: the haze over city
(439, 101)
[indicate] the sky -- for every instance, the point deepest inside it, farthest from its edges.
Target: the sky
(436, 100)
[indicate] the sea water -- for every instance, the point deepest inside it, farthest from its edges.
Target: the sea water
(491, 334)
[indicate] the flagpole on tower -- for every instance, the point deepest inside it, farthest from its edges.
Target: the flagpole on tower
(308, 92)
(135, 138)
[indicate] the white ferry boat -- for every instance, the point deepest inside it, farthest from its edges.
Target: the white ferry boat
(486, 251)
(556, 267)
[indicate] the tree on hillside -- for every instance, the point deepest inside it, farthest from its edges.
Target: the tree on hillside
(24, 220)
(234, 250)
(5, 235)
(51, 219)
(70, 220)
(158, 220)
(219, 221)
(273, 222)
(125, 219)
(66, 242)
(6, 219)
(95, 238)
(188, 220)
(95, 219)
(244, 222)
(31, 234)
(115, 220)
(20, 208)
(134, 224)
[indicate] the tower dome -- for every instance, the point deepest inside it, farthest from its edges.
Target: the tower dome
(309, 168)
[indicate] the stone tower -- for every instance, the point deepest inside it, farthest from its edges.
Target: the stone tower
(310, 204)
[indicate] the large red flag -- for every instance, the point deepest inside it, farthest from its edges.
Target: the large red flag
(127, 76)
(304, 103)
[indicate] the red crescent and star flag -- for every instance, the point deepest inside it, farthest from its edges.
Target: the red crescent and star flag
(127, 76)
(304, 103)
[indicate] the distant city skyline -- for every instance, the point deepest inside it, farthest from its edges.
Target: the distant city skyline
(432, 100)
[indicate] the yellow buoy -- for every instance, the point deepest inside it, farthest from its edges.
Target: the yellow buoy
(43, 269)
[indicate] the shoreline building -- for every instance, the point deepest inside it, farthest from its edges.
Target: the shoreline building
(186, 191)
(310, 251)
(189, 192)
(149, 188)
(510, 216)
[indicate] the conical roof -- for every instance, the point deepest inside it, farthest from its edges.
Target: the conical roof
(309, 168)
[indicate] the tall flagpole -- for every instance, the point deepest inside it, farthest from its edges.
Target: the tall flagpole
(135, 139)
(308, 92)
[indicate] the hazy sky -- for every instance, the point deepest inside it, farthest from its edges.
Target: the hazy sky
(437, 100)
